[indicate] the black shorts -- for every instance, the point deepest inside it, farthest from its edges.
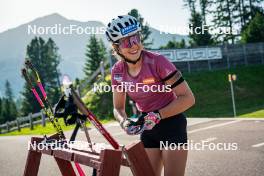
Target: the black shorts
(169, 130)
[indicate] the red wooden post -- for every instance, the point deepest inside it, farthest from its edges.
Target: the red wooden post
(138, 160)
(33, 159)
(63, 158)
(111, 162)
(32, 164)
(66, 168)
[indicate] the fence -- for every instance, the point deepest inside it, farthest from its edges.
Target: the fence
(232, 56)
(21, 122)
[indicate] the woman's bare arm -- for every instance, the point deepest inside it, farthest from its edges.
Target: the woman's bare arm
(185, 98)
(119, 101)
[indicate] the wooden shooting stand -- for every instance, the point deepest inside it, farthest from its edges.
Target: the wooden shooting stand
(107, 162)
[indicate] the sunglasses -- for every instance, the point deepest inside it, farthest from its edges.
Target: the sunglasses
(128, 42)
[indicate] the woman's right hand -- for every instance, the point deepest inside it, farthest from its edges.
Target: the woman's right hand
(133, 127)
(124, 123)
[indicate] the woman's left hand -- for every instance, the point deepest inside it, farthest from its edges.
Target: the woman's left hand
(151, 119)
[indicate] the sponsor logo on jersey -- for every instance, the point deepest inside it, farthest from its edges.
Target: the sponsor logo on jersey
(149, 80)
(168, 71)
(118, 77)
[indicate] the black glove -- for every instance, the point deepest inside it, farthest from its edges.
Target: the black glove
(68, 110)
(134, 126)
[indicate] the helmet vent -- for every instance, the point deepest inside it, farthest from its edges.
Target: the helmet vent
(126, 23)
(115, 29)
(113, 35)
(131, 21)
(107, 34)
(120, 25)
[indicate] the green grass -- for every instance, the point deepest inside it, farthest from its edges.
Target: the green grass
(213, 95)
(40, 130)
(256, 114)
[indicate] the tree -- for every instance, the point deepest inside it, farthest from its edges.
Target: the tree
(182, 44)
(224, 15)
(6, 110)
(172, 44)
(8, 106)
(95, 53)
(145, 28)
(169, 45)
(50, 63)
(234, 14)
(8, 91)
(198, 21)
(28, 103)
(254, 7)
(198, 37)
(1, 110)
(44, 56)
(11, 102)
(103, 50)
(254, 31)
(204, 5)
(191, 5)
(228, 17)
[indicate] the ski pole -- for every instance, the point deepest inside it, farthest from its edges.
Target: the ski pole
(39, 83)
(49, 111)
(92, 118)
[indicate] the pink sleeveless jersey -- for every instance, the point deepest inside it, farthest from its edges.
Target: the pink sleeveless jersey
(147, 88)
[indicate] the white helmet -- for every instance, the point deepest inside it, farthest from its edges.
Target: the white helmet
(121, 27)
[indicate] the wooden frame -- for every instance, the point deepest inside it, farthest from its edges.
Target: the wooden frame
(107, 162)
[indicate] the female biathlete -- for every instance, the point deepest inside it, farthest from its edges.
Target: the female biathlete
(160, 92)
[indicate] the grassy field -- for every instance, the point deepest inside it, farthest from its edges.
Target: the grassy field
(213, 94)
(258, 114)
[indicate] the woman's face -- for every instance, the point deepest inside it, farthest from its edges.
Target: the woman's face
(132, 53)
